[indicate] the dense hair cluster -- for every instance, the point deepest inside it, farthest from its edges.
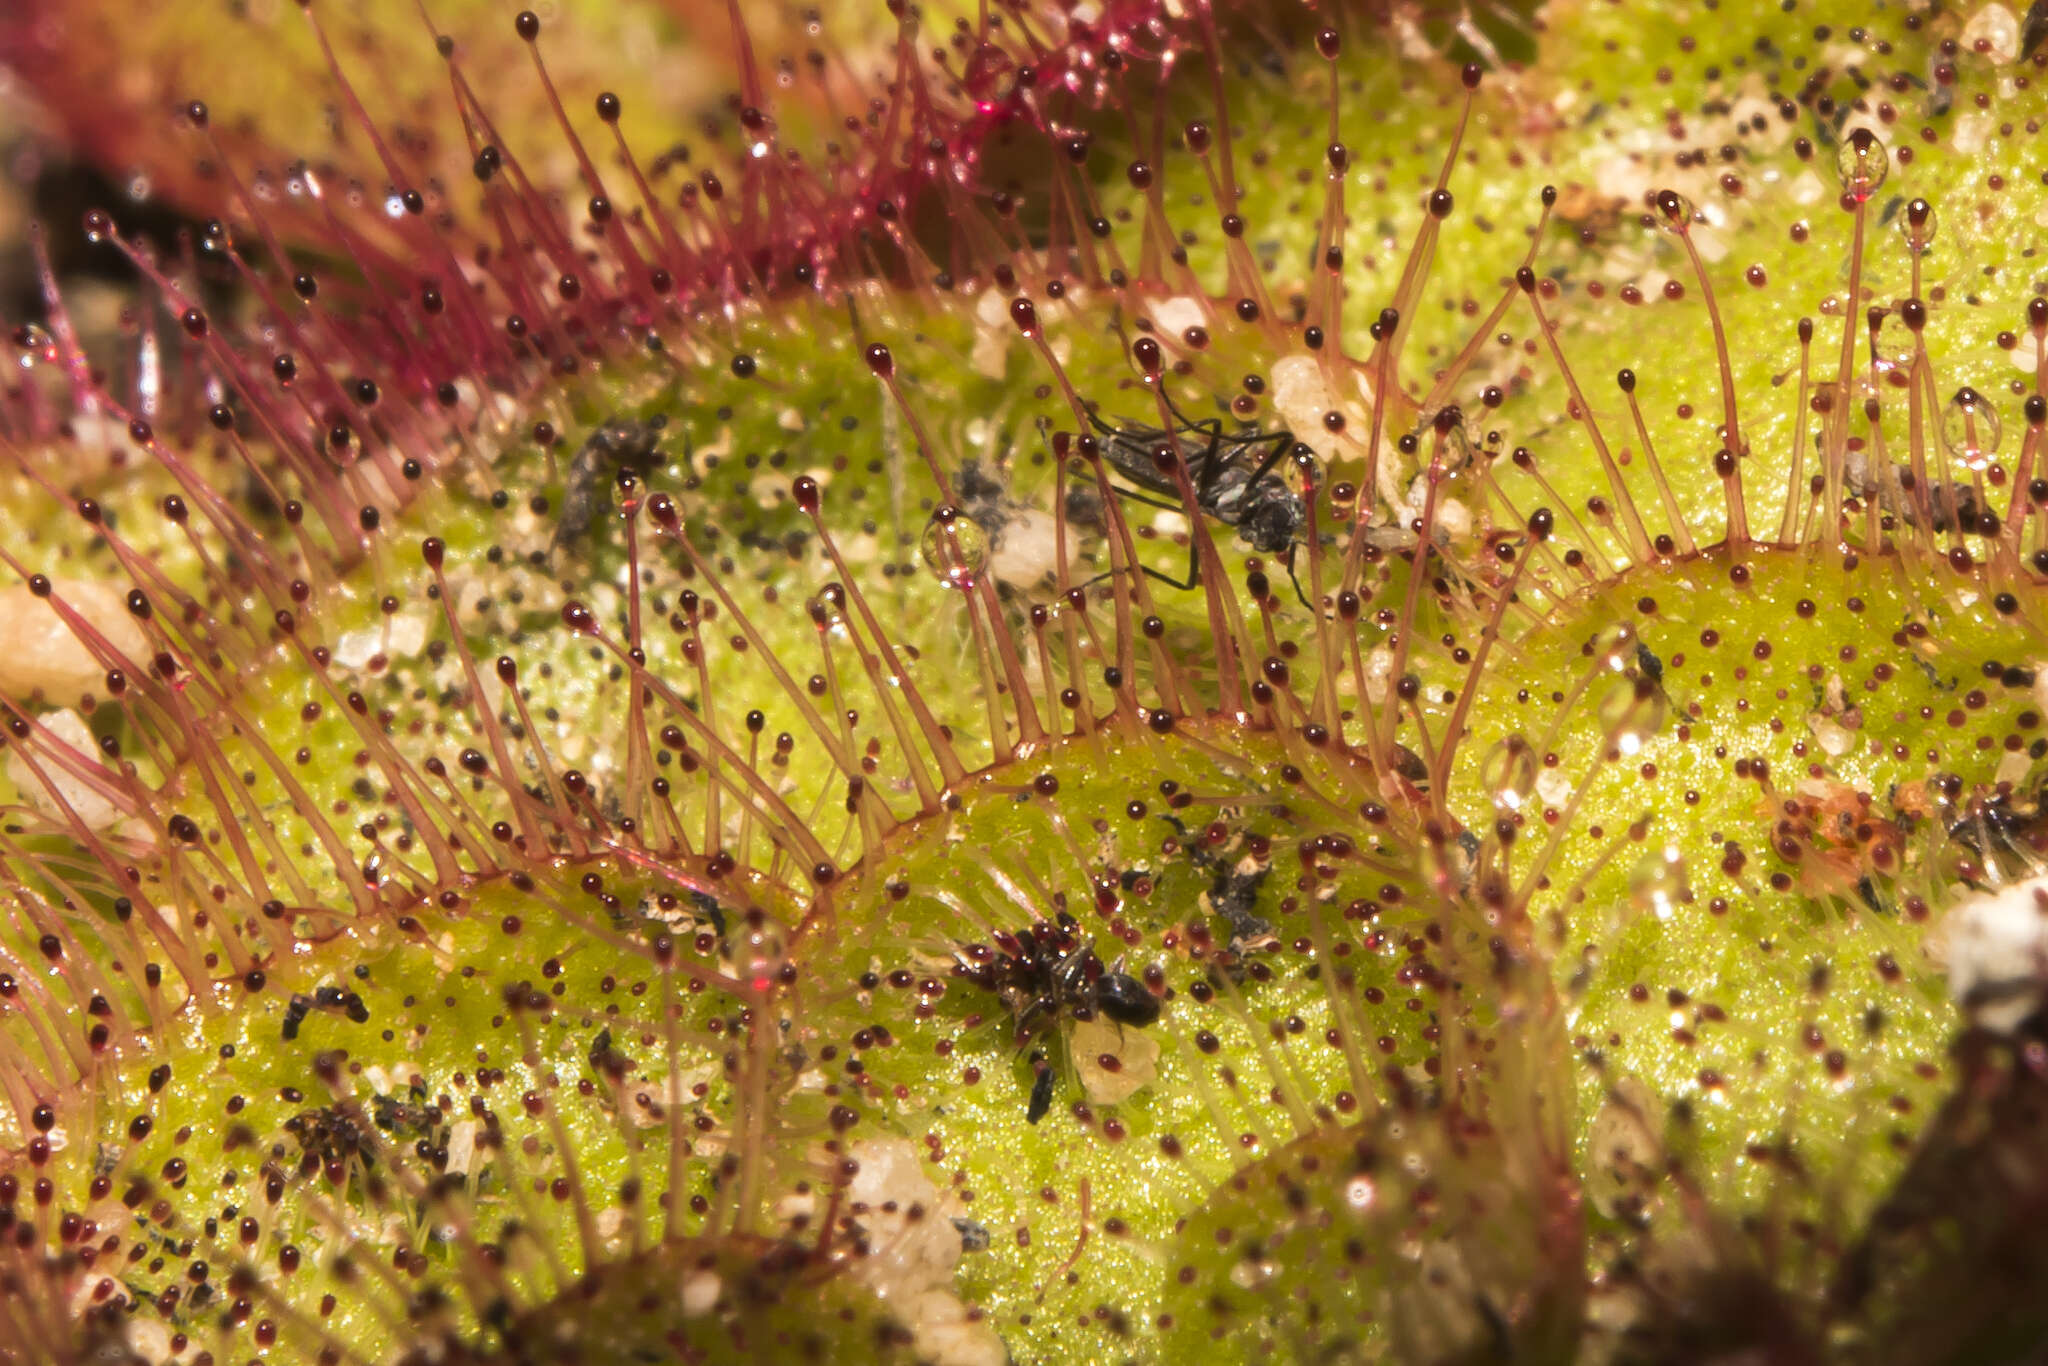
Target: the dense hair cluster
(906, 746)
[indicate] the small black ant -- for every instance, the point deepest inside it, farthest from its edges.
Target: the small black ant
(1234, 476)
(617, 444)
(1046, 970)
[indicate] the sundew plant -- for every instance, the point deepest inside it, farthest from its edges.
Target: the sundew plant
(1065, 681)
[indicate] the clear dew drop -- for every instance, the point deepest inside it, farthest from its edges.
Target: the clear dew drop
(1675, 209)
(37, 346)
(1970, 429)
(760, 953)
(990, 77)
(954, 548)
(1863, 163)
(1631, 711)
(1615, 647)
(1917, 225)
(1457, 447)
(1508, 773)
(828, 607)
(1657, 884)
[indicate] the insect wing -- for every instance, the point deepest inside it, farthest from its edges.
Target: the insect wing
(1128, 451)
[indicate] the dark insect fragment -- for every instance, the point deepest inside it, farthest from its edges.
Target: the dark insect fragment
(1944, 505)
(985, 498)
(2004, 826)
(405, 1118)
(1041, 1094)
(616, 445)
(607, 1059)
(343, 1000)
(332, 1000)
(708, 907)
(1233, 892)
(329, 1136)
(1124, 999)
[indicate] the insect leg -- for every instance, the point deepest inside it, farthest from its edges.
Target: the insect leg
(1131, 434)
(1212, 461)
(1283, 442)
(1216, 424)
(1211, 426)
(1292, 578)
(1194, 565)
(1194, 576)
